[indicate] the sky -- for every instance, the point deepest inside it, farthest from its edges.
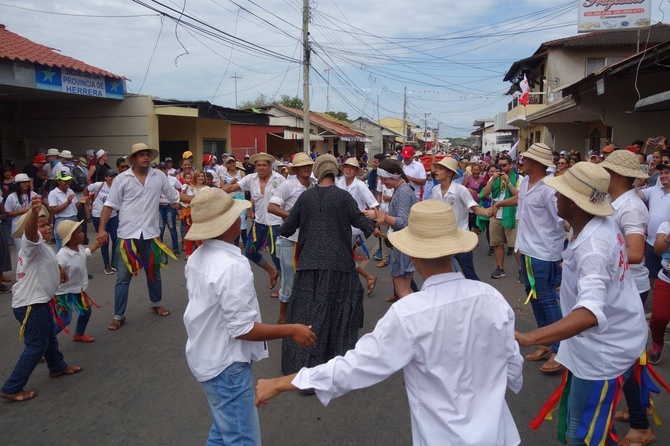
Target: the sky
(450, 55)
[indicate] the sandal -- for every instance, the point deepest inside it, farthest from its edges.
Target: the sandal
(551, 366)
(624, 416)
(392, 299)
(69, 370)
(371, 285)
(160, 310)
(273, 279)
(539, 354)
(116, 323)
(274, 295)
(19, 397)
(648, 439)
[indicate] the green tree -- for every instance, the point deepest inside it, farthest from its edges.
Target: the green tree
(293, 102)
(342, 116)
(260, 101)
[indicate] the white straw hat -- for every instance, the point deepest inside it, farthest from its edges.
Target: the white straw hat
(21, 225)
(432, 232)
(624, 163)
(139, 147)
(353, 162)
(262, 157)
(66, 154)
(541, 153)
(299, 160)
(213, 211)
(21, 177)
(450, 164)
(586, 184)
(66, 228)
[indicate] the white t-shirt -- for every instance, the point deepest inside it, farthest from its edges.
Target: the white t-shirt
(174, 182)
(37, 273)
(74, 263)
(658, 202)
(359, 190)
(386, 192)
(57, 197)
(285, 197)
(101, 191)
(415, 169)
(460, 200)
(12, 205)
(664, 228)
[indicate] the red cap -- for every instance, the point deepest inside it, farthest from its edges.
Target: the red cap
(407, 152)
(207, 159)
(39, 159)
(632, 149)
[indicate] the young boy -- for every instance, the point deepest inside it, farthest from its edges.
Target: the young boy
(222, 316)
(38, 275)
(71, 295)
(456, 380)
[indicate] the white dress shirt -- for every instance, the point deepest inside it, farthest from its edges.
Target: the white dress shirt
(415, 169)
(57, 197)
(631, 217)
(252, 184)
(360, 191)
(285, 197)
(74, 263)
(222, 305)
(385, 192)
(37, 273)
(658, 202)
(137, 204)
(596, 277)
(664, 229)
(540, 233)
(454, 341)
(460, 200)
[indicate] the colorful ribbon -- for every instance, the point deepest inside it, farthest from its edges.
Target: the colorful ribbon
(158, 256)
(528, 261)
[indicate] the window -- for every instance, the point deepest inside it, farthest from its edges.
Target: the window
(214, 147)
(594, 64)
(538, 136)
(594, 140)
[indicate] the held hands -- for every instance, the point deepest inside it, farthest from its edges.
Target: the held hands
(266, 389)
(102, 237)
(303, 335)
(63, 275)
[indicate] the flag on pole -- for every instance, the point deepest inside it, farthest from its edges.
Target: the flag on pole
(512, 153)
(525, 91)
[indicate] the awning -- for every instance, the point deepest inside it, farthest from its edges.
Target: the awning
(295, 135)
(656, 102)
(354, 138)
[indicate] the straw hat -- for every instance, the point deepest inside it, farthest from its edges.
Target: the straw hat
(53, 152)
(262, 157)
(213, 211)
(66, 154)
(301, 159)
(239, 165)
(21, 225)
(450, 164)
(324, 165)
(353, 162)
(139, 147)
(66, 228)
(624, 163)
(432, 232)
(541, 153)
(586, 184)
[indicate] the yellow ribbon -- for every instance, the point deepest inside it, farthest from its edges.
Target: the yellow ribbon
(23, 324)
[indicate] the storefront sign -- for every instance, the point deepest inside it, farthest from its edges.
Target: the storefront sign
(66, 80)
(603, 15)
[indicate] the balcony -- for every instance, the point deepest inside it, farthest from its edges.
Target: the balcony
(535, 99)
(516, 113)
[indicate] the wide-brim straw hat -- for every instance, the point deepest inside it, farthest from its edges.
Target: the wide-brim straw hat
(432, 232)
(450, 164)
(21, 225)
(300, 160)
(586, 185)
(213, 211)
(324, 165)
(624, 163)
(139, 147)
(66, 228)
(353, 162)
(541, 153)
(262, 157)
(239, 165)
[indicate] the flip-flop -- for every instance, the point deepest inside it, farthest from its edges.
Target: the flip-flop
(539, 354)
(551, 366)
(160, 310)
(273, 280)
(19, 397)
(648, 439)
(371, 285)
(69, 370)
(275, 295)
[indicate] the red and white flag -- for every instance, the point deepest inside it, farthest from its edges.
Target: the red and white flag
(525, 91)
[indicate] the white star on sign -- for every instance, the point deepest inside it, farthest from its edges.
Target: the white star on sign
(48, 75)
(114, 84)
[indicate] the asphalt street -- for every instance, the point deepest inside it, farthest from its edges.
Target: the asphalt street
(136, 388)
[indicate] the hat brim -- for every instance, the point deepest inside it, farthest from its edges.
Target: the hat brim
(262, 157)
(68, 236)
(217, 226)
(430, 248)
(303, 164)
(131, 158)
(456, 174)
(599, 209)
(343, 165)
(21, 225)
(543, 161)
(625, 171)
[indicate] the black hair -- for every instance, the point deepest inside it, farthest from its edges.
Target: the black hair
(379, 156)
(637, 142)
(119, 161)
(394, 167)
(506, 158)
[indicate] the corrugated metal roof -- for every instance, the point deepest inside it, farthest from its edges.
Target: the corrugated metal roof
(332, 125)
(17, 48)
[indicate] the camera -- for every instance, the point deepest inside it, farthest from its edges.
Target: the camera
(498, 167)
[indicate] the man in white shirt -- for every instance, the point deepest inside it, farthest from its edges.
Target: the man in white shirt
(475, 351)
(414, 170)
(223, 321)
(135, 194)
(62, 204)
(658, 201)
(603, 331)
(261, 185)
(281, 203)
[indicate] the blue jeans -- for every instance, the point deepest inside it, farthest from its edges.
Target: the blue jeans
(169, 218)
(124, 275)
(40, 340)
(580, 394)
(82, 321)
(231, 403)
(252, 249)
(285, 249)
(57, 220)
(112, 227)
(546, 307)
(467, 265)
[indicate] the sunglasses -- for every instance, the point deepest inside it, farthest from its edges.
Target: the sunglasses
(123, 166)
(503, 165)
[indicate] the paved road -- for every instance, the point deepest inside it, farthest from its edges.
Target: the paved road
(136, 388)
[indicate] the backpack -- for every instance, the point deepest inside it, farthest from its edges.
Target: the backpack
(79, 180)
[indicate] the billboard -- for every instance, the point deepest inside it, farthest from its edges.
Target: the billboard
(603, 15)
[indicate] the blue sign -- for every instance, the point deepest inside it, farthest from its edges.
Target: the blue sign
(67, 80)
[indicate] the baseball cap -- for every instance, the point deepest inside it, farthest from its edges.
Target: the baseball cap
(608, 149)
(111, 173)
(168, 159)
(162, 166)
(63, 176)
(39, 159)
(407, 152)
(187, 154)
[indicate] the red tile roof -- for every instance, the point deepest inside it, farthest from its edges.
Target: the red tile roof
(15, 47)
(334, 126)
(658, 33)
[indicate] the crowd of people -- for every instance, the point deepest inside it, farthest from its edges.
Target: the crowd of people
(593, 232)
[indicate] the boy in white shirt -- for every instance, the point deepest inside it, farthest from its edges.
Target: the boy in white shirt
(71, 295)
(475, 350)
(222, 316)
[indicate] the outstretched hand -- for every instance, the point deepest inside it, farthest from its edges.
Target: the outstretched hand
(303, 335)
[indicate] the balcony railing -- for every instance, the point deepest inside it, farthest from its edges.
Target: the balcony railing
(532, 99)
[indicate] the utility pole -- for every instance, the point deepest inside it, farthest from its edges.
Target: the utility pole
(328, 89)
(305, 75)
(425, 128)
(404, 118)
(236, 77)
